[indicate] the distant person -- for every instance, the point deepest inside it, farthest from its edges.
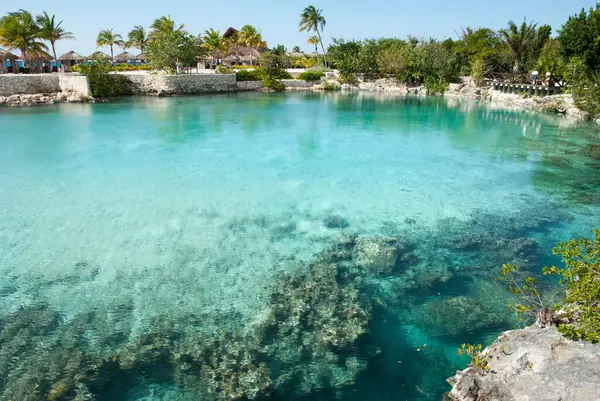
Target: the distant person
(534, 75)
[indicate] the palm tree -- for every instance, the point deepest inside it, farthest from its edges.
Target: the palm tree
(108, 38)
(165, 24)
(19, 30)
(252, 38)
(518, 39)
(312, 19)
(52, 31)
(296, 49)
(215, 43)
(314, 40)
(137, 38)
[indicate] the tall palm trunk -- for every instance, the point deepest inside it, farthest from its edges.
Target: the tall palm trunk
(112, 57)
(517, 65)
(24, 57)
(322, 47)
(55, 59)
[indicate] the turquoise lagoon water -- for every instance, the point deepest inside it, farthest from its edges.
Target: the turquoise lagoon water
(124, 223)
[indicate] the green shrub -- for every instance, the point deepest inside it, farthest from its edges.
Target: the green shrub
(243, 67)
(581, 276)
(578, 315)
(434, 86)
(103, 84)
(224, 70)
(311, 76)
(328, 86)
(251, 75)
(130, 67)
(273, 84)
(478, 358)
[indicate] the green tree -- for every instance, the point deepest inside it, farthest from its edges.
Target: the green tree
(252, 38)
(296, 49)
(312, 19)
(137, 38)
(168, 48)
(165, 24)
(108, 38)
(215, 43)
(279, 50)
(580, 37)
(52, 31)
(314, 40)
(581, 276)
(551, 59)
(481, 45)
(19, 30)
(518, 39)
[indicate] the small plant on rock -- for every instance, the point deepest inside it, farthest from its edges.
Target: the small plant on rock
(581, 276)
(526, 289)
(479, 360)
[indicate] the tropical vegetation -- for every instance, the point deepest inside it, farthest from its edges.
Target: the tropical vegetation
(578, 314)
(108, 37)
(52, 31)
(312, 20)
(19, 30)
(137, 38)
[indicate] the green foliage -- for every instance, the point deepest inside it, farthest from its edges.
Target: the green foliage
(169, 47)
(215, 43)
(19, 30)
(274, 67)
(311, 76)
(131, 67)
(481, 44)
(525, 288)
(478, 359)
(224, 70)
(584, 85)
(328, 86)
(51, 30)
(581, 276)
(250, 75)
(243, 67)
(432, 63)
(312, 20)
(109, 38)
(519, 39)
(103, 84)
(137, 38)
(580, 37)
(550, 59)
(478, 70)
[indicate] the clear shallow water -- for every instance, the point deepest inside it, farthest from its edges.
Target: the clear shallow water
(181, 215)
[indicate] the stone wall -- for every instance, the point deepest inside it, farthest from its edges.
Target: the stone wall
(249, 85)
(76, 85)
(191, 84)
(28, 84)
(296, 84)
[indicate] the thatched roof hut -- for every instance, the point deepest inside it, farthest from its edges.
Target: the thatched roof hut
(98, 55)
(6, 55)
(141, 57)
(124, 57)
(38, 56)
(71, 57)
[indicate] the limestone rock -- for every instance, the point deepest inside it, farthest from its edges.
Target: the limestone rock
(533, 364)
(378, 255)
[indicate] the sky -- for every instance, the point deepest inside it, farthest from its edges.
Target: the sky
(278, 19)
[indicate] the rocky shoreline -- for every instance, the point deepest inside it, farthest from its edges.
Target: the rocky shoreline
(25, 100)
(534, 364)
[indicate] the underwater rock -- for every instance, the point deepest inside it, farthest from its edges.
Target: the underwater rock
(456, 316)
(315, 317)
(335, 221)
(377, 255)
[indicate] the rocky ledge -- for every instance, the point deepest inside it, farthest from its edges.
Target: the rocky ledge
(533, 364)
(41, 98)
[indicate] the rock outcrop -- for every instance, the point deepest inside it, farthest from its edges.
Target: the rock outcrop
(533, 364)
